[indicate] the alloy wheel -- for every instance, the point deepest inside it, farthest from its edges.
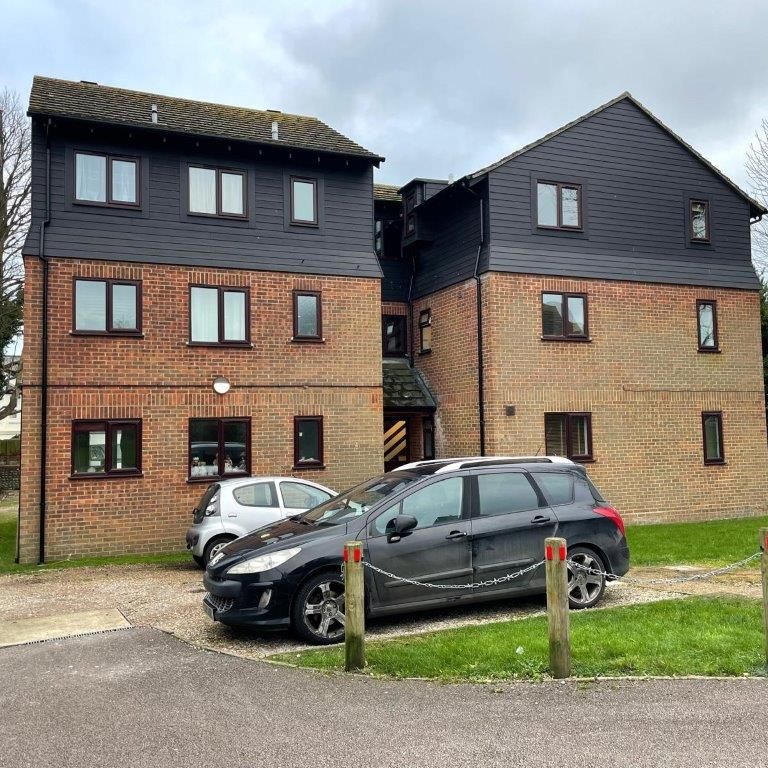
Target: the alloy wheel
(584, 586)
(324, 610)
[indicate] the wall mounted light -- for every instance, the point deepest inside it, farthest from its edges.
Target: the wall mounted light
(221, 385)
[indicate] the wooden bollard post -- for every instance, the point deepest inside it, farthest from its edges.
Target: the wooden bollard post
(555, 557)
(354, 607)
(764, 573)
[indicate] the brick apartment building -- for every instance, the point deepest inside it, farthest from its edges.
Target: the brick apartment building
(214, 291)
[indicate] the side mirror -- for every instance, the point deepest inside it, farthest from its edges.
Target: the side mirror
(400, 526)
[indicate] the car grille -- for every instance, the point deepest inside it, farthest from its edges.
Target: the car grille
(221, 604)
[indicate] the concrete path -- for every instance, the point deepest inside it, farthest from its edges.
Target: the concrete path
(142, 698)
(60, 625)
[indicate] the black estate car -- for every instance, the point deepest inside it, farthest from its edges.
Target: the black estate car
(456, 522)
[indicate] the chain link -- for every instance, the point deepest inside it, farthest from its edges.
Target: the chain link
(474, 585)
(651, 582)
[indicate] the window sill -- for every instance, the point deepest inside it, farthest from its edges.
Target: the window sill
(710, 350)
(297, 467)
(306, 340)
(217, 478)
(220, 344)
(109, 334)
(116, 206)
(571, 339)
(425, 352)
(310, 224)
(545, 228)
(715, 463)
(105, 475)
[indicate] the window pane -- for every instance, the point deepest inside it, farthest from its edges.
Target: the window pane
(232, 193)
(204, 447)
(91, 178)
(303, 201)
(557, 486)
(90, 450)
(124, 307)
(90, 305)
(699, 220)
(505, 492)
(706, 325)
(569, 206)
(299, 496)
(255, 495)
(437, 503)
(234, 316)
(235, 446)
(306, 312)
(552, 314)
(202, 190)
(394, 335)
(308, 440)
(554, 434)
(712, 439)
(124, 181)
(204, 309)
(579, 436)
(576, 316)
(124, 446)
(547, 205)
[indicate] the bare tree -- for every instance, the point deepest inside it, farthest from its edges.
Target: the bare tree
(757, 170)
(15, 189)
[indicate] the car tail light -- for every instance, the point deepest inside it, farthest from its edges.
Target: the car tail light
(213, 506)
(611, 514)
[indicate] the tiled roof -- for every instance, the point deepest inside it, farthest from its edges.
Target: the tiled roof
(118, 106)
(404, 388)
(386, 192)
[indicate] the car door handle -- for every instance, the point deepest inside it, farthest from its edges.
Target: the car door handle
(457, 535)
(539, 519)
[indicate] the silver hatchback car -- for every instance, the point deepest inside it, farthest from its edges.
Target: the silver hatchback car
(231, 508)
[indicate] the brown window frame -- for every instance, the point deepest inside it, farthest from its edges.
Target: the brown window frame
(317, 337)
(719, 416)
(560, 186)
(403, 335)
(716, 346)
(222, 289)
(691, 235)
(565, 336)
(318, 463)
(79, 425)
(219, 213)
(221, 449)
(422, 325)
(109, 320)
(303, 222)
(110, 202)
(569, 415)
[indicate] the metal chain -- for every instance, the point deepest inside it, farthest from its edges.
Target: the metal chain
(650, 582)
(474, 585)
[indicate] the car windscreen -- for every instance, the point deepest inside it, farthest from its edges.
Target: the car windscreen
(360, 499)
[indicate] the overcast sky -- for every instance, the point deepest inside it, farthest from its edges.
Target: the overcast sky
(437, 87)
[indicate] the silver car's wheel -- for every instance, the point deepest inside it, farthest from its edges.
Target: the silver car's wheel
(586, 582)
(215, 546)
(318, 614)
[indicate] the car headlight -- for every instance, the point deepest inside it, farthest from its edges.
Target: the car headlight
(263, 562)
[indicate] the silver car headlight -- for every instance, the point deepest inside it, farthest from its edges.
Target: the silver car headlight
(263, 562)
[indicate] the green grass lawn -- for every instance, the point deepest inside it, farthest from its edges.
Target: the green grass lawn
(8, 550)
(718, 542)
(693, 636)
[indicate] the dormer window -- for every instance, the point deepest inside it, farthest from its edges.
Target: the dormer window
(558, 205)
(217, 192)
(699, 215)
(106, 180)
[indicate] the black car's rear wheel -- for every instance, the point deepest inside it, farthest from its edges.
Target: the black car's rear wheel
(586, 582)
(318, 611)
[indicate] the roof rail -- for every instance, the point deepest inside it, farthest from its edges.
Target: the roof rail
(451, 464)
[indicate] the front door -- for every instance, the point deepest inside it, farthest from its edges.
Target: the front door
(437, 550)
(395, 443)
(509, 525)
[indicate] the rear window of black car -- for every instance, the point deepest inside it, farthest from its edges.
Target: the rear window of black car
(557, 486)
(504, 492)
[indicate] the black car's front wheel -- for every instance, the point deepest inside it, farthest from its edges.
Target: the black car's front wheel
(586, 582)
(318, 611)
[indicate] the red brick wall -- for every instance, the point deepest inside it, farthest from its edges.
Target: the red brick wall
(644, 382)
(163, 381)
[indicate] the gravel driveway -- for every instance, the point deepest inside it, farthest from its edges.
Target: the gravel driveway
(169, 598)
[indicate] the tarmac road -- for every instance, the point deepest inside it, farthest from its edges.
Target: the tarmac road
(139, 697)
